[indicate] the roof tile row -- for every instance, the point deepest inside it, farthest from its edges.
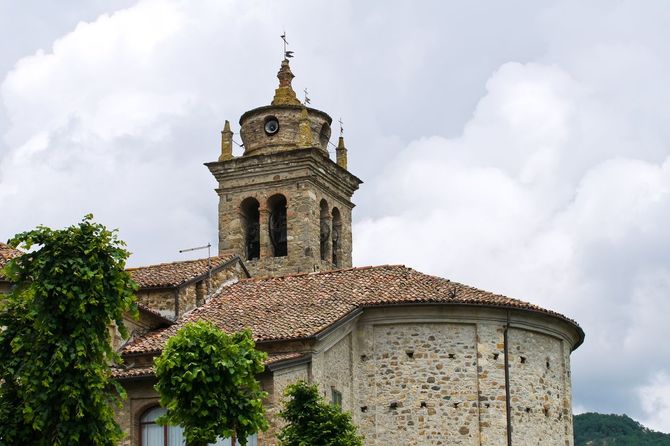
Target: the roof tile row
(140, 372)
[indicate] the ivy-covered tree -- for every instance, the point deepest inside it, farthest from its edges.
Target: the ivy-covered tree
(311, 421)
(207, 382)
(70, 287)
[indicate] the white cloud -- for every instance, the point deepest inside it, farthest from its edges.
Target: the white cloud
(655, 398)
(526, 202)
(97, 125)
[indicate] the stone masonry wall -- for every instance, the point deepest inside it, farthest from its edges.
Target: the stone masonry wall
(281, 379)
(257, 141)
(437, 377)
(541, 408)
(567, 389)
(160, 300)
(491, 380)
(337, 372)
(303, 230)
(426, 376)
(187, 298)
(304, 177)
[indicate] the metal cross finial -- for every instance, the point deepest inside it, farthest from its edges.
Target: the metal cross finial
(307, 101)
(341, 127)
(287, 54)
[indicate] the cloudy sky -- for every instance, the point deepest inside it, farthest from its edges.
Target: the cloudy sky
(520, 147)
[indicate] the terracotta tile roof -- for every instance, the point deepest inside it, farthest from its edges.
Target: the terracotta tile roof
(136, 372)
(303, 305)
(167, 275)
(7, 253)
(140, 372)
(280, 357)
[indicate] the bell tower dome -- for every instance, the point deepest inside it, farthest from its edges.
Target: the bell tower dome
(284, 205)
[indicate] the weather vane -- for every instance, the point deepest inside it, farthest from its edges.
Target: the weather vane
(341, 127)
(307, 101)
(287, 54)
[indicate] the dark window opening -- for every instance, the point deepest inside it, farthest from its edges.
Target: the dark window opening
(337, 228)
(336, 397)
(324, 224)
(251, 228)
(277, 225)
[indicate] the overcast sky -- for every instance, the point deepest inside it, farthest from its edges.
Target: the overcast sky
(520, 147)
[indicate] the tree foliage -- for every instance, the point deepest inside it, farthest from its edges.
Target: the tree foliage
(55, 347)
(614, 430)
(207, 382)
(311, 421)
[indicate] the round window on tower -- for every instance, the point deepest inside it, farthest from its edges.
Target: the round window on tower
(271, 125)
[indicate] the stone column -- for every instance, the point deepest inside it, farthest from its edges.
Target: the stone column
(264, 236)
(326, 223)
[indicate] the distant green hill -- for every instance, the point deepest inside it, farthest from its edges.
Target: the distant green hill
(595, 429)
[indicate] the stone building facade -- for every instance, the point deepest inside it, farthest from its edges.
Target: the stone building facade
(417, 359)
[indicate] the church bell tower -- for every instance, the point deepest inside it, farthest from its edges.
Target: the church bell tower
(284, 205)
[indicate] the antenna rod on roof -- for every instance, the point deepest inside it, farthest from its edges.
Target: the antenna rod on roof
(209, 262)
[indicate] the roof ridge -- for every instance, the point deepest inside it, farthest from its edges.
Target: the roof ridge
(179, 262)
(472, 287)
(321, 273)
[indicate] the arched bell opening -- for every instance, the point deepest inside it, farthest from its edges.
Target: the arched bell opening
(250, 223)
(277, 225)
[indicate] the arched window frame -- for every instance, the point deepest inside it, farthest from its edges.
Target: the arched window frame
(166, 429)
(251, 440)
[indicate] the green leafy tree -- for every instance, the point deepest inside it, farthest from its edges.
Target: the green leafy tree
(55, 344)
(595, 429)
(207, 382)
(311, 421)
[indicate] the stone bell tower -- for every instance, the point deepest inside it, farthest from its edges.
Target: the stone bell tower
(284, 205)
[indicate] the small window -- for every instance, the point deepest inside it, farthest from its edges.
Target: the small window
(336, 397)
